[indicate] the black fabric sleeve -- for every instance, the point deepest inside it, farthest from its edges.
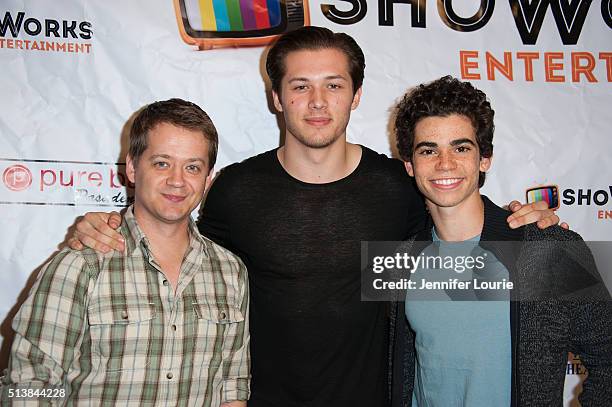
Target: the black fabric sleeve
(214, 219)
(591, 328)
(418, 219)
(415, 204)
(402, 368)
(592, 338)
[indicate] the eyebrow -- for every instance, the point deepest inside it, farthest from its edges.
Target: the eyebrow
(426, 144)
(330, 77)
(462, 141)
(166, 156)
(452, 143)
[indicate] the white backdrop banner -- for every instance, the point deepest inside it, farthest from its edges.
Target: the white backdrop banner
(74, 71)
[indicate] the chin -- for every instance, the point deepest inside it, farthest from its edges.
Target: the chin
(173, 219)
(444, 201)
(320, 141)
(450, 204)
(173, 216)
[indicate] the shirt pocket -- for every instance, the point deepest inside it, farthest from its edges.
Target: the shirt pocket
(216, 330)
(121, 334)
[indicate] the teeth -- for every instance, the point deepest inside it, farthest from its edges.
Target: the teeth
(446, 181)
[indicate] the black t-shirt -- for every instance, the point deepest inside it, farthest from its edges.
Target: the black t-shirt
(313, 341)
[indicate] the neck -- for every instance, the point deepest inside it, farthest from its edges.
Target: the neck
(319, 165)
(460, 222)
(164, 238)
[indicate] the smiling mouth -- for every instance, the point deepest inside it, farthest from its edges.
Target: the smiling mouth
(174, 198)
(446, 183)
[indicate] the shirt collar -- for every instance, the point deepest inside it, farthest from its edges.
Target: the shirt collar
(135, 237)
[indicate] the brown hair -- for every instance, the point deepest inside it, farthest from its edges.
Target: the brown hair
(314, 38)
(179, 113)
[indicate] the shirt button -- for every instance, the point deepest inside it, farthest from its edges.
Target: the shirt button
(124, 314)
(222, 315)
(166, 283)
(169, 375)
(173, 327)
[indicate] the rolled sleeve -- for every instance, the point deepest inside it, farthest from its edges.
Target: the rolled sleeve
(236, 389)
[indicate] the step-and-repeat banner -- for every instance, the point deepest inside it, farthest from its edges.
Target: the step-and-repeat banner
(74, 71)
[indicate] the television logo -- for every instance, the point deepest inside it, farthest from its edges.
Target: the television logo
(548, 193)
(234, 23)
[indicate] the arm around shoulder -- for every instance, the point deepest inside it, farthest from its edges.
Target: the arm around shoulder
(591, 321)
(98, 231)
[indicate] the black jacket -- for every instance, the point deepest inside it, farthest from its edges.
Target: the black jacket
(542, 331)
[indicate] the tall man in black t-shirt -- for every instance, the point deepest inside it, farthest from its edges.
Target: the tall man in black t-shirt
(296, 216)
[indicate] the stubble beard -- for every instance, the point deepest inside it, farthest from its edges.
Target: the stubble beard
(318, 141)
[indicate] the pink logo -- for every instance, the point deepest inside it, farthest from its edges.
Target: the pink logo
(17, 177)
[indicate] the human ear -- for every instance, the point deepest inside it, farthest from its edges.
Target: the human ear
(409, 169)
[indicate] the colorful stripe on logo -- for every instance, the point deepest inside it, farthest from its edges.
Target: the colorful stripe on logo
(544, 194)
(238, 15)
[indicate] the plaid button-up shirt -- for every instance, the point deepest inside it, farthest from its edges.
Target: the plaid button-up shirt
(110, 330)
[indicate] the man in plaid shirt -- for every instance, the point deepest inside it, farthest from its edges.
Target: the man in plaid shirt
(164, 322)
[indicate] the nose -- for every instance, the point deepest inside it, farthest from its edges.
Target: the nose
(175, 177)
(445, 161)
(318, 99)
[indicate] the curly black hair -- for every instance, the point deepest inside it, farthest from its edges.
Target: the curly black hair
(444, 97)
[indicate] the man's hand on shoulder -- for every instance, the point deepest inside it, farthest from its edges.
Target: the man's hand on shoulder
(533, 212)
(97, 230)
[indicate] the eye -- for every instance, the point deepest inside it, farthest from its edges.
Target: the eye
(194, 169)
(160, 164)
(463, 149)
(334, 86)
(300, 87)
(427, 151)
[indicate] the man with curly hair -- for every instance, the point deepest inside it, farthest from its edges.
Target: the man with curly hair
(453, 352)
